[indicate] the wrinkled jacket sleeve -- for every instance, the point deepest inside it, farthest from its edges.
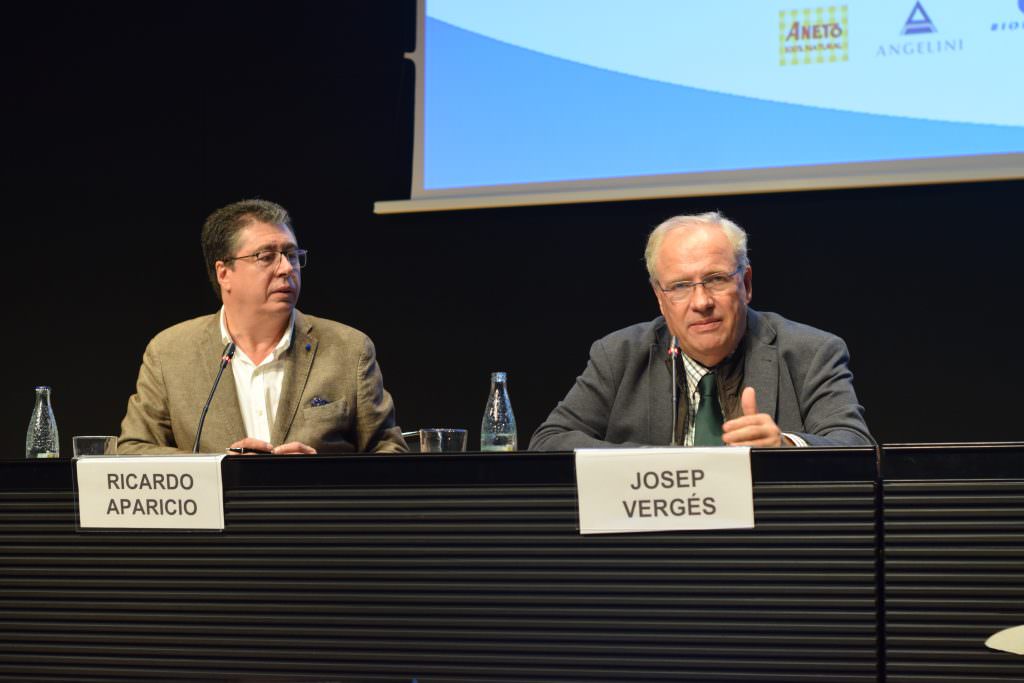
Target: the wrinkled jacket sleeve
(146, 427)
(581, 419)
(375, 411)
(830, 412)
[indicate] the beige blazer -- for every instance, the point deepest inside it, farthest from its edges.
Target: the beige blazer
(333, 396)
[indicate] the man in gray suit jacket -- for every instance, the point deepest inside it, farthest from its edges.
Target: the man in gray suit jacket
(742, 378)
(296, 384)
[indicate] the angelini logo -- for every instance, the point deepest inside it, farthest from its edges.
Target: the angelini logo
(920, 22)
(918, 42)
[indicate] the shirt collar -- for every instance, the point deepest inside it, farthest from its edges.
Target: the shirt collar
(693, 370)
(284, 343)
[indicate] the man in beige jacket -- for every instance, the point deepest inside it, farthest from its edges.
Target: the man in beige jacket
(296, 384)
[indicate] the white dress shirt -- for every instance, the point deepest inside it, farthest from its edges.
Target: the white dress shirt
(259, 386)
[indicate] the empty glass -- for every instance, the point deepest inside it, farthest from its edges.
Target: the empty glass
(441, 440)
(94, 445)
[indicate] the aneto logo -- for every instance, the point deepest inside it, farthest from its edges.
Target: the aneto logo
(813, 35)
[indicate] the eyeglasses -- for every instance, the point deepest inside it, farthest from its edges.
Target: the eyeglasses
(269, 258)
(716, 283)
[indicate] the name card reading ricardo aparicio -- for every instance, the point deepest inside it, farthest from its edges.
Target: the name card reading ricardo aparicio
(150, 492)
(631, 490)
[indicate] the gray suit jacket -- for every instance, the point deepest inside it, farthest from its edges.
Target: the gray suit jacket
(624, 396)
(332, 363)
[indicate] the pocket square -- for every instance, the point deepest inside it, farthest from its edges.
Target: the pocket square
(316, 402)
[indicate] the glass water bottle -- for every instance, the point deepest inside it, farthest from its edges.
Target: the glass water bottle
(498, 428)
(42, 440)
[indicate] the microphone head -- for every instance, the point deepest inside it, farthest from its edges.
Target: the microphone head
(673, 348)
(229, 352)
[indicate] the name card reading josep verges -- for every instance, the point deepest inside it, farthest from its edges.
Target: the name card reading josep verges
(150, 492)
(631, 490)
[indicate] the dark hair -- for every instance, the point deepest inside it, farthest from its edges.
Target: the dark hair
(220, 231)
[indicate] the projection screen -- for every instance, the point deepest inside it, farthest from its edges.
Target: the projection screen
(556, 101)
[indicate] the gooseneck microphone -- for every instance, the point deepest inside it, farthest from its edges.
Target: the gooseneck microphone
(226, 356)
(673, 353)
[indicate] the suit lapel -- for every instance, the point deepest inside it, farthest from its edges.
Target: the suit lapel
(762, 364)
(659, 372)
(298, 362)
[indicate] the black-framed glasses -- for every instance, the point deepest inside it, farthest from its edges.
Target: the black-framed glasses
(269, 258)
(716, 283)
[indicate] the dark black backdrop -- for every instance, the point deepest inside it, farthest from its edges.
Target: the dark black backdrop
(125, 125)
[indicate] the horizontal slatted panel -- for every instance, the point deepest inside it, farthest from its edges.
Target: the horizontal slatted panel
(447, 582)
(954, 562)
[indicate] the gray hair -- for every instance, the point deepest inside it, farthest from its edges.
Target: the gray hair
(735, 234)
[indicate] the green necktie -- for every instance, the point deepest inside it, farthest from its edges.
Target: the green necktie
(708, 422)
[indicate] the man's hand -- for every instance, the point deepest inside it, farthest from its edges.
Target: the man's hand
(752, 428)
(252, 445)
(293, 447)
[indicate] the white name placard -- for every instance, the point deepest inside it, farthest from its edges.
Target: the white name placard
(631, 490)
(150, 492)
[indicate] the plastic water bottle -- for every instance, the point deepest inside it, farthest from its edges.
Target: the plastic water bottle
(498, 428)
(42, 440)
